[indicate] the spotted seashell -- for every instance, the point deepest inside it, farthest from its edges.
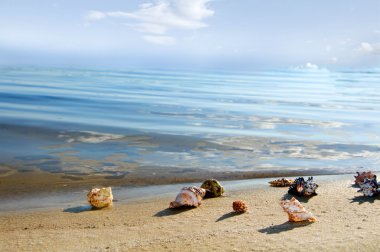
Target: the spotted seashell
(100, 198)
(214, 188)
(283, 182)
(296, 212)
(300, 187)
(369, 187)
(189, 196)
(239, 206)
(359, 179)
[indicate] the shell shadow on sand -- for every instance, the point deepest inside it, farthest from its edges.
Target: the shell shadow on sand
(79, 209)
(173, 211)
(363, 199)
(227, 215)
(286, 226)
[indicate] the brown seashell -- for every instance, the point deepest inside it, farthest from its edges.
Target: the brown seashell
(100, 198)
(296, 212)
(359, 179)
(189, 196)
(239, 206)
(283, 182)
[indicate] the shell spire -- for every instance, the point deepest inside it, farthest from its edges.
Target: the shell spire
(189, 196)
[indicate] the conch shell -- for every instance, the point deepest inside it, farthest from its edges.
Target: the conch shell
(370, 187)
(100, 198)
(359, 179)
(296, 212)
(189, 196)
(301, 187)
(283, 182)
(213, 187)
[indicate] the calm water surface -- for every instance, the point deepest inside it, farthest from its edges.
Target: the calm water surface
(122, 123)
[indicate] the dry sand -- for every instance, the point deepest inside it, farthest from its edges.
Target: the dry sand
(347, 221)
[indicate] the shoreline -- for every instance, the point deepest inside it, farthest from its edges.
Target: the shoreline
(345, 221)
(39, 189)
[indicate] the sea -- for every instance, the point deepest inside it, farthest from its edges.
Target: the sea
(149, 127)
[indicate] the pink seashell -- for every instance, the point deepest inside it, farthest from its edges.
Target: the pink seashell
(296, 212)
(189, 196)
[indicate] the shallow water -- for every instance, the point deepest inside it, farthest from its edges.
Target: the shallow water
(163, 125)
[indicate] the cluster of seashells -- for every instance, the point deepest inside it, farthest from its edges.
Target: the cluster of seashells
(298, 187)
(193, 196)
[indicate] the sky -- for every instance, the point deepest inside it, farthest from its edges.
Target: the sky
(238, 34)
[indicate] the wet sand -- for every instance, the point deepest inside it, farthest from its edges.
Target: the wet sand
(346, 222)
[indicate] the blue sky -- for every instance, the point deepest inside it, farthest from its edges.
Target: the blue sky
(191, 33)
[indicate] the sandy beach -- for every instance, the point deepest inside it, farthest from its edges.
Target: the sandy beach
(346, 222)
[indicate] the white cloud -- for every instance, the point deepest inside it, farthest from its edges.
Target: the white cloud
(160, 17)
(311, 66)
(95, 15)
(369, 48)
(160, 40)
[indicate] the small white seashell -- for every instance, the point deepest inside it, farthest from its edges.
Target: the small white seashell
(189, 196)
(296, 212)
(100, 198)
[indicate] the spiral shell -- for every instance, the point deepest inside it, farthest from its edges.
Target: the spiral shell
(100, 198)
(239, 206)
(189, 196)
(214, 187)
(296, 212)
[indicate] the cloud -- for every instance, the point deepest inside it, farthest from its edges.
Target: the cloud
(95, 15)
(160, 40)
(311, 66)
(160, 17)
(369, 48)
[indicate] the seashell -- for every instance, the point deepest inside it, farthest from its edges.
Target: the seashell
(296, 212)
(369, 187)
(100, 198)
(189, 196)
(301, 187)
(359, 179)
(239, 206)
(281, 182)
(214, 188)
